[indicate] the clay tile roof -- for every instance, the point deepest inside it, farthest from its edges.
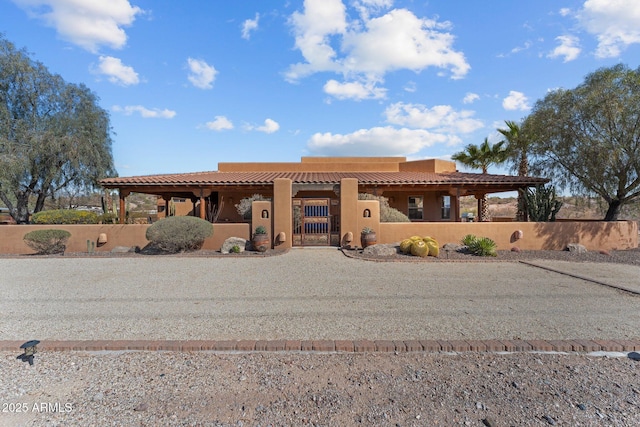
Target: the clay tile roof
(215, 178)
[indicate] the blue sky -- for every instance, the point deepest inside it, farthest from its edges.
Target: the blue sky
(192, 83)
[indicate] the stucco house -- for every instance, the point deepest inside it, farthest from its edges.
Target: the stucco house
(313, 191)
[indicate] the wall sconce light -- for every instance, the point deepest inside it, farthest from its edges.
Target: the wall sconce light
(366, 213)
(265, 213)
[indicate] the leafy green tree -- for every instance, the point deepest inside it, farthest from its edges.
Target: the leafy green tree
(482, 157)
(517, 147)
(53, 134)
(587, 139)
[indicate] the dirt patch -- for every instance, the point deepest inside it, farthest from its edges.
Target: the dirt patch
(629, 256)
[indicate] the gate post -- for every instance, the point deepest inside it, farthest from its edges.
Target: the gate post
(282, 216)
(349, 211)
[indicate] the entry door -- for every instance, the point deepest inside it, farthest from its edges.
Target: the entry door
(312, 222)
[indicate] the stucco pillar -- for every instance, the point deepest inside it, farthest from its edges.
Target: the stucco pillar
(349, 211)
(483, 209)
(166, 199)
(282, 211)
(123, 213)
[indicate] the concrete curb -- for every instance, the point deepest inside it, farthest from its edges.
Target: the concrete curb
(346, 346)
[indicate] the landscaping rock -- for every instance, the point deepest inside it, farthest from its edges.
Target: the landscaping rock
(452, 247)
(576, 248)
(231, 242)
(121, 250)
(387, 249)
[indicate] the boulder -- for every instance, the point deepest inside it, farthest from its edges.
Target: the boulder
(453, 247)
(387, 249)
(231, 242)
(576, 248)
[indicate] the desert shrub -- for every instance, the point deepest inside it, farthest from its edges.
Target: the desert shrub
(47, 241)
(468, 239)
(480, 246)
(179, 233)
(244, 207)
(108, 218)
(387, 213)
(235, 249)
(64, 216)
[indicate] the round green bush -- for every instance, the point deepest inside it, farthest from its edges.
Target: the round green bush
(47, 241)
(179, 233)
(64, 216)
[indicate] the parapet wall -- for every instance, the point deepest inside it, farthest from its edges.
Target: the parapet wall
(594, 235)
(11, 236)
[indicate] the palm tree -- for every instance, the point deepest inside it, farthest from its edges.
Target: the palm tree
(517, 148)
(481, 157)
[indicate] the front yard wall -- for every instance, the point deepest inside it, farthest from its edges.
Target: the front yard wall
(594, 235)
(117, 235)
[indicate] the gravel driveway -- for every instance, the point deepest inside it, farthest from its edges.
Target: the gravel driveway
(313, 294)
(304, 294)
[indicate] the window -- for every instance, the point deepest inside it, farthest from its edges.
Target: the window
(446, 207)
(415, 207)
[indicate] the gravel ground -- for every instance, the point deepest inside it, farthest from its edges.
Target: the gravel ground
(305, 295)
(292, 297)
(195, 389)
(629, 256)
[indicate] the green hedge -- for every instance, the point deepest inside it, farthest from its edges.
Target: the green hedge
(179, 233)
(64, 216)
(47, 241)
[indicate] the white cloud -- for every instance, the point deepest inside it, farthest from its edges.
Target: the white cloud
(270, 126)
(88, 24)
(145, 113)
(410, 87)
(615, 23)
(248, 26)
(377, 141)
(367, 47)
(116, 71)
(527, 45)
(220, 123)
(470, 98)
(515, 101)
(354, 90)
(201, 74)
(565, 11)
(569, 48)
(440, 118)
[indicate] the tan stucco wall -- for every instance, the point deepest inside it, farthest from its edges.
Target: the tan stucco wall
(282, 211)
(594, 235)
(349, 211)
(429, 165)
(343, 164)
(257, 219)
(117, 235)
(373, 220)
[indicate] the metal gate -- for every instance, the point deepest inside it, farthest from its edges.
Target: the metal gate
(315, 222)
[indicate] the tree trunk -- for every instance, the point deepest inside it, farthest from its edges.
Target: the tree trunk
(613, 211)
(40, 202)
(21, 212)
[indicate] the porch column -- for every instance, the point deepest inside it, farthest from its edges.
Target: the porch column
(166, 205)
(194, 200)
(201, 195)
(123, 214)
(483, 211)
